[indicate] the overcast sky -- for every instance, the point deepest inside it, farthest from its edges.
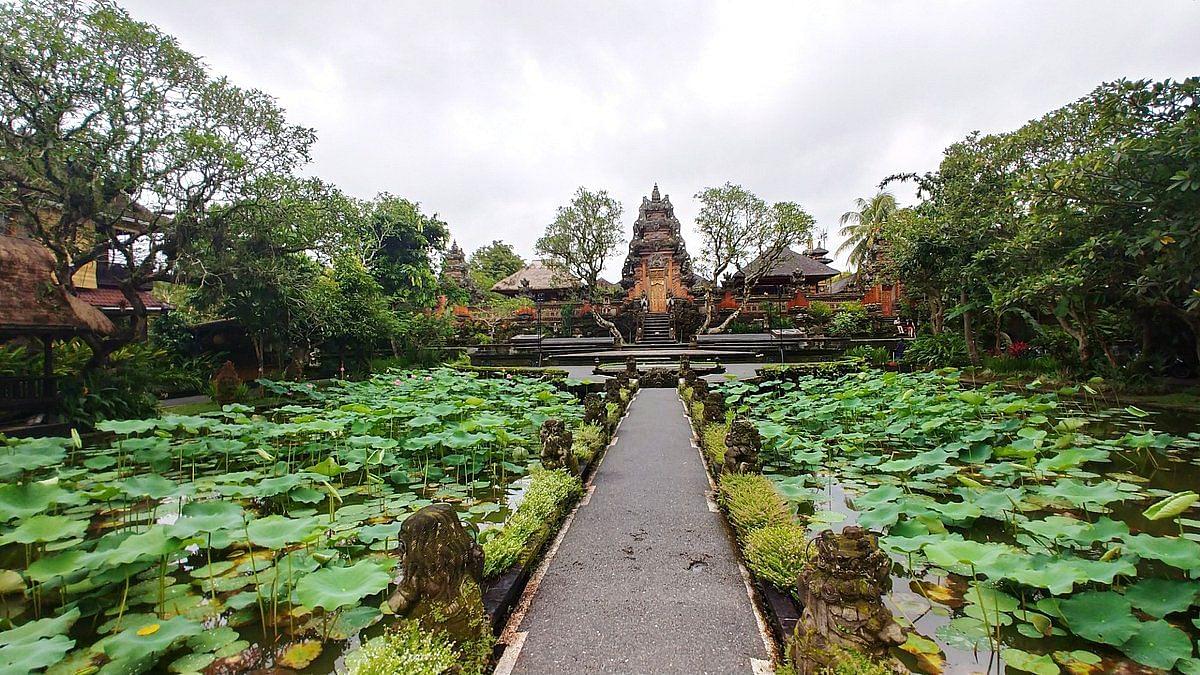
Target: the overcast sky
(491, 113)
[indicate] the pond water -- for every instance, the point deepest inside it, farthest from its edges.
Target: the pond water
(1028, 527)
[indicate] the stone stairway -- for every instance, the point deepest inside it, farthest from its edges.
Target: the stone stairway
(656, 330)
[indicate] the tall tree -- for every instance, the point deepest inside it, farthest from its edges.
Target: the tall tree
(584, 235)
(100, 113)
(737, 228)
(863, 226)
(491, 263)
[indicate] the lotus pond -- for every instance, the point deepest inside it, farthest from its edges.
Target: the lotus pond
(1030, 531)
(237, 540)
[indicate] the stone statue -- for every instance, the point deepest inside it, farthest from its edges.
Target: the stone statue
(685, 368)
(612, 390)
(557, 452)
(842, 592)
(631, 369)
(742, 444)
(699, 389)
(714, 408)
(594, 411)
(442, 568)
(225, 384)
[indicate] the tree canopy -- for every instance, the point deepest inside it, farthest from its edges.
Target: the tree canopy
(584, 235)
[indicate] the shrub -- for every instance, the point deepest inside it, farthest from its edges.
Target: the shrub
(549, 496)
(847, 323)
(406, 649)
(751, 502)
(937, 351)
(1018, 349)
(588, 440)
(777, 554)
(820, 310)
(614, 414)
(876, 356)
(713, 443)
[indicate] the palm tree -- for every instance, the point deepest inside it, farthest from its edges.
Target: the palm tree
(863, 228)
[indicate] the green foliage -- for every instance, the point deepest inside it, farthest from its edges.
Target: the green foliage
(937, 351)
(1028, 365)
(588, 439)
(777, 553)
(713, 441)
(876, 356)
(549, 496)
(847, 323)
(405, 649)
(584, 235)
(751, 502)
(491, 263)
(819, 310)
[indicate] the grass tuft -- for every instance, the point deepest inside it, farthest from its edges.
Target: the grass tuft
(751, 502)
(777, 553)
(550, 495)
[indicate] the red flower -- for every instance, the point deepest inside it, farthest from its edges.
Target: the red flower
(1018, 349)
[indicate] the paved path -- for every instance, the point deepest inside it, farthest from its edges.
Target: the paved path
(646, 578)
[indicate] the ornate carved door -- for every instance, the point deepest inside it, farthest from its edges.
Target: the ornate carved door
(657, 292)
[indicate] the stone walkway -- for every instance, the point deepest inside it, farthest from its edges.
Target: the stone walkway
(646, 579)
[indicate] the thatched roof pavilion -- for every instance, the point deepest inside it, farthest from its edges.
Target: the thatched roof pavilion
(30, 302)
(539, 279)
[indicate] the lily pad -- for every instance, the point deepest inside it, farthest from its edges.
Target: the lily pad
(336, 587)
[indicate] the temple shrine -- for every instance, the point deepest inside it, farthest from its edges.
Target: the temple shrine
(658, 268)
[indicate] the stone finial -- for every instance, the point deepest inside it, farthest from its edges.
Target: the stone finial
(442, 569)
(842, 592)
(742, 445)
(557, 452)
(594, 410)
(714, 407)
(654, 195)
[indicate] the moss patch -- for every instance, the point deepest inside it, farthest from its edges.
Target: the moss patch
(751, 502)
(777, 554)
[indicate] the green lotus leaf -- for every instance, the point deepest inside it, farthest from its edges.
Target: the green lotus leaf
(28, 499)
(43, 528)
(1100, 616)
(33, 656)
(306, 495)
(962, 555)
(327, 467)
(353, 621)
(151, 485)
(372, 533)
(64, 564)
(138, 643)
(127, 427)
(212, 569)
(153, 543)
(1158, 644)
(1176, 552)
(1039, 664)
(30, 455)
(1160, 597)
(1171, 506)
(1082, 494)
(212, 639)
(277, 531)
(191, 663)
(207, 517)
(32, 631)
(332, 588)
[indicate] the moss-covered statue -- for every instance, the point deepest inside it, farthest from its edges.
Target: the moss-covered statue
(594, 411)
(842, 592)
(685, 369)
(556, 447)
(742, 444)
(631, 368)
(612, 391)
(442, 569)
(225, 384)
(714, 408)
(699, 389)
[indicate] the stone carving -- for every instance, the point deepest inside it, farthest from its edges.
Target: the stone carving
(742, 444)
(714, 408)
(699, 389)
(225, 384)
(594, 411)
(442, 568)
(659, 378)
(842, 592)
(631, 369)
(685, 368)
(557, 452)
(612, 390)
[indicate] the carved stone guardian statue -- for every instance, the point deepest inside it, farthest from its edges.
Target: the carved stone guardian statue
(594, 411)
(714, 408)
(742, 444)
(842, 592)
(631, 368)
(442, 567)
(556, 447)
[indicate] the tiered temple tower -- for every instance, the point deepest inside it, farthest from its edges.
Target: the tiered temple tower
(658, 267)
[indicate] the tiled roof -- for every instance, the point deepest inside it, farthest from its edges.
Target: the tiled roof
(113, 299)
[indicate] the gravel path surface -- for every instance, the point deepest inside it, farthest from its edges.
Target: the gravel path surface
(646, 579)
